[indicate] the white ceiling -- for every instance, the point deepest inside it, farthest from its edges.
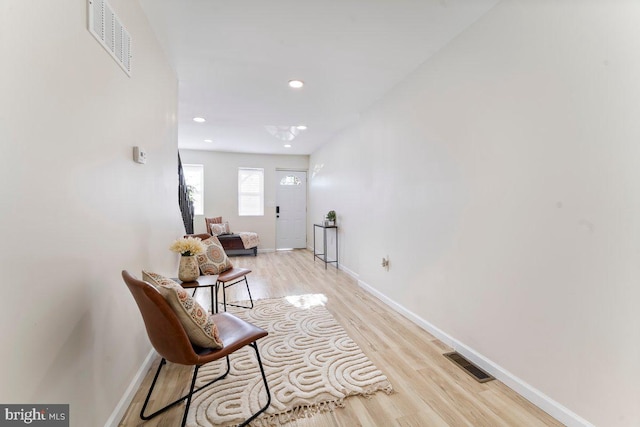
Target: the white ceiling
(234, 58)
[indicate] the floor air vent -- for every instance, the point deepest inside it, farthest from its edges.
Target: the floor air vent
(477, 373)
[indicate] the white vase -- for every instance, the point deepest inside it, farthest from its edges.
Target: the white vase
(188, 270)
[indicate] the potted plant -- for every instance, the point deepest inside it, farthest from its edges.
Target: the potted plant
(331, 218)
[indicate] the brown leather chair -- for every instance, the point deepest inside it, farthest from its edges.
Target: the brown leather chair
(168, 337)
(228, 278)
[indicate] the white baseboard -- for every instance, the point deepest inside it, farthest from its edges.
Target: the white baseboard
(535, 396)
(341, 267)
(349, 271)
(130, 392)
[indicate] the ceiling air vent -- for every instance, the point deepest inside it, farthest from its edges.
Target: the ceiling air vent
(470, 368)
(107, 28)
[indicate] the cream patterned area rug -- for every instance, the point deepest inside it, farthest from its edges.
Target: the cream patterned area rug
(311, 365)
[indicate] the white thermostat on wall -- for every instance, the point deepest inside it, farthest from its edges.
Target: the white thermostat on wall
(139, 155)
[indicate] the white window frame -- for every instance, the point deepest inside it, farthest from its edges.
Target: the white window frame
(250, 202)
(194, 177)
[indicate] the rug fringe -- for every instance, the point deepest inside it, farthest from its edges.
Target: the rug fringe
(306, 411)
(387, 388)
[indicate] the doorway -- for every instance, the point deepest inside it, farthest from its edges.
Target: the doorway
(291, 209)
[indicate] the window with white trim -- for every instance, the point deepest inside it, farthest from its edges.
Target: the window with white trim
(250, 192)
(194, 177)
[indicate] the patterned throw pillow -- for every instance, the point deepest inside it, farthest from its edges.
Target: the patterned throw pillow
(196, 321)
(214, 260)
(227, 230)
(218, 229)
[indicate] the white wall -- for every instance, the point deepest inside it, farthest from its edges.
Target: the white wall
(336, 182)
(502, 178)
(221, 189)
(75, 208)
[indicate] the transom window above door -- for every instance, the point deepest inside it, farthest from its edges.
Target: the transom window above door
(290, 180)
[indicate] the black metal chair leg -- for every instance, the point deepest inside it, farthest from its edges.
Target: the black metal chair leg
(175, 402)
(248, 290)
(214, 299)
(193, 390)
(224, 287)
(224, 296)
(266, 387)
(153, 384)
(193, 384)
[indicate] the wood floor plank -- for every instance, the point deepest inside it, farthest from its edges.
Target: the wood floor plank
(425, 417)
(429, 389)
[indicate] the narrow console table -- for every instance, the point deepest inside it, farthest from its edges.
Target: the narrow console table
(323, 256)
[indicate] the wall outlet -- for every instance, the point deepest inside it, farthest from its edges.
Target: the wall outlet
(139, 155)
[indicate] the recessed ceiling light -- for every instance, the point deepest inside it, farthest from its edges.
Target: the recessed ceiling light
(287, 145)
(301, 127)
(208, 140)
(296, 84)
(199, 119)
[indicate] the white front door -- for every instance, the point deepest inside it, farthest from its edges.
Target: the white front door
(291, 210)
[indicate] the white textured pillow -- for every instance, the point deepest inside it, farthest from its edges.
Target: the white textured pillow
(196, 321)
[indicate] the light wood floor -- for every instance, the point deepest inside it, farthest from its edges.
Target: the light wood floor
(429, 389)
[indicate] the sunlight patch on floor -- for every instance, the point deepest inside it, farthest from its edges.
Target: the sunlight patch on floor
(307, 301)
